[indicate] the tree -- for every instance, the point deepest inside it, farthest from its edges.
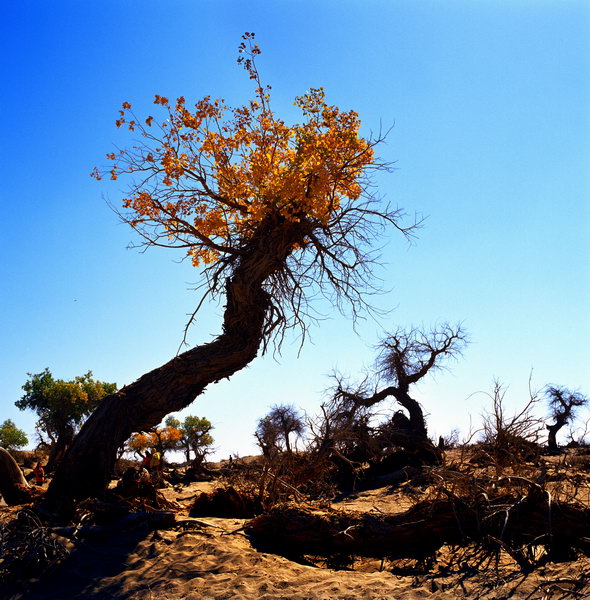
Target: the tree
(272, 214)
(161, 439)
(273, 431)
(510, 438)
(196, 438)
(11, 437)
(62, 406)
(405, 357)
(562, 404)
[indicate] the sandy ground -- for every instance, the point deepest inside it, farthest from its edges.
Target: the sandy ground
(211, 558)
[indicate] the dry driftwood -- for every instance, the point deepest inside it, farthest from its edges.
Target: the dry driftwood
(507, 522)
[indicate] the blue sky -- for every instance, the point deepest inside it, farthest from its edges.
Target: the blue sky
(490, 108)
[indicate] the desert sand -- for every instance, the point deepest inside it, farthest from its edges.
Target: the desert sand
(212, 558)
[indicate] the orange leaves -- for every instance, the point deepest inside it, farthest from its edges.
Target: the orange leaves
(173, 165)
(210, 174)
(167, 438)
(142, 203)
(161, 100)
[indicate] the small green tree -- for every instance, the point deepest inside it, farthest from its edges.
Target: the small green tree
(196, 437)
(11, 437)
(62, 406)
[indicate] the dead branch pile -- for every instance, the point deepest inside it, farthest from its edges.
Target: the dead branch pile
(509, 522)
(28, 548)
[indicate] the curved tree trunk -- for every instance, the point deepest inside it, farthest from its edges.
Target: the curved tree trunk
(414, 438)
(13, 484)
(86, 467)
(417, 421)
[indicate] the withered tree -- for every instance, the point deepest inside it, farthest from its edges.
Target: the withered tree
(272, 214)
(274, 430)
(562, 404)
(405, 357)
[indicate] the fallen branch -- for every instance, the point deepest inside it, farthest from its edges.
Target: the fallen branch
(514, 522)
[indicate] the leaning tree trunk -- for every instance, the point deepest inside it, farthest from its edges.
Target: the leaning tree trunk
(86, 467)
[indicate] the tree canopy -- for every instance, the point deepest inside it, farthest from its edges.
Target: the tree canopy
(161, 439)
(273, 431)
(217, 181)
(61, 406)
(11, 437)
(190, 435)
(196, 437)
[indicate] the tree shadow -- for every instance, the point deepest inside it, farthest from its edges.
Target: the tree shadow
(82, 574)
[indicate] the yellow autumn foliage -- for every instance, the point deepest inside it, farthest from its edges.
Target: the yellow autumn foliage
(209, 175)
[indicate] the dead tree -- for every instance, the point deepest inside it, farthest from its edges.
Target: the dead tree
(562, 404)
(272, 216)
(405, 357)
(509, 439)
(273, 430)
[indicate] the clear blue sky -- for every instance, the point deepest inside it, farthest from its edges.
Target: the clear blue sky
(490, 103)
